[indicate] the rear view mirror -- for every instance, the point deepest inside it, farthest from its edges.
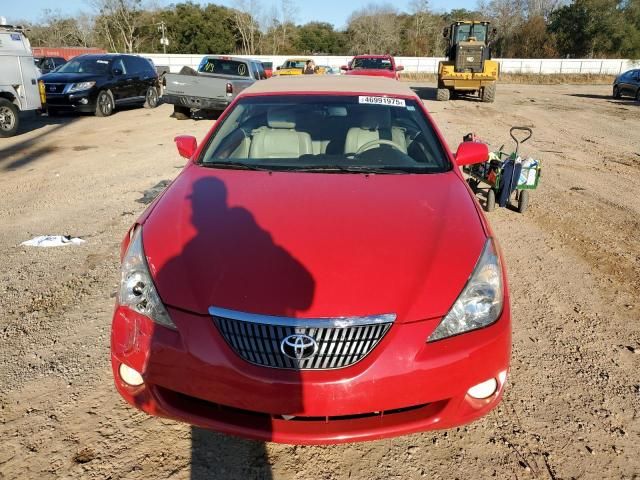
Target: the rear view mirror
(471, 152)
(187, 145)
(278, 68)
(344, 67)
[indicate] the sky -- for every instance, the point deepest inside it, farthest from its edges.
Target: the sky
(332, 11)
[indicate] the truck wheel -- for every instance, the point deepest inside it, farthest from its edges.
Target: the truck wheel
(104, 104)
(443, 94)
(488, 93)
(151, 98)
(523, 200)
(9, 118)
(491, 200)
(181, 113)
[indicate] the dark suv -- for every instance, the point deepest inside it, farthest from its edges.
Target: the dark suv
(100, 83)
(627, 84)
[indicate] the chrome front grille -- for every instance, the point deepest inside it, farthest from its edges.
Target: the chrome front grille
(326, 343)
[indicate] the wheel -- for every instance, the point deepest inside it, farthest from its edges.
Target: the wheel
(616, 92)
(104, 104)
(443, 94)
(9, 118)
(638, 95)
(181, 113)
(491, 200)
(523, 200)
(488, 93)
(151, 99)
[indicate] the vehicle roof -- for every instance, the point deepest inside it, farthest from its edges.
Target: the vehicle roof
(229, 57)
(330, 84)
(364, 55)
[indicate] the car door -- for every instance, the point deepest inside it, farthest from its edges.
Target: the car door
(120, 86)
(626, 83)
(636, 85)
(134, 83)
(148, 75)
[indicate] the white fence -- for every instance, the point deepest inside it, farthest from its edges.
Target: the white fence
(430, 64)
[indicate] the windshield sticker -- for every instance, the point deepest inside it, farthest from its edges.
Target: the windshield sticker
(411, 108)
(242, 69)
(391, 102)
(15, 36)
(102, 61)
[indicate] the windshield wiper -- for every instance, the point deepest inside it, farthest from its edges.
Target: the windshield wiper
(352, 169)
(234, 166)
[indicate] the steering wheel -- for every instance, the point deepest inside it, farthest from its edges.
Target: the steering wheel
(380, 141)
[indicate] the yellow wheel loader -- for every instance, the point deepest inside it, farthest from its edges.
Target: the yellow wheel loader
(468, 68)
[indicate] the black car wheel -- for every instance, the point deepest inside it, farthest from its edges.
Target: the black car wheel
(616, 92)
(151, 98)
(104, 104)
(9, 118)
(638, 95)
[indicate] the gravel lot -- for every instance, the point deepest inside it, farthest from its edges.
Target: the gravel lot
(571, 410)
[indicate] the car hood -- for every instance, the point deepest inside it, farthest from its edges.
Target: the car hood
(55, 77)
(313, 245)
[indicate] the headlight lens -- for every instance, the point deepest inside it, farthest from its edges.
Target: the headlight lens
(137, 290)
(480, 303)
(77, 87)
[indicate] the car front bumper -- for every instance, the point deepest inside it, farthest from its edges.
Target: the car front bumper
(404, 385)
(83, 101)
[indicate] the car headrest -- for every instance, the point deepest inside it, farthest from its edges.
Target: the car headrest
(284, 119)
(374, 118)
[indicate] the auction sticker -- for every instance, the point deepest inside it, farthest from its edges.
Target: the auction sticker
(388, 101)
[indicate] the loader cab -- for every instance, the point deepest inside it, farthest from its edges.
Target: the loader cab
(469, 45)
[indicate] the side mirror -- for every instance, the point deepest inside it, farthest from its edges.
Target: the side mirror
(116, 71)
(344, 67)
(278, 68)
(399, 68)
(445, 32)
(187, 145)
(471, 152)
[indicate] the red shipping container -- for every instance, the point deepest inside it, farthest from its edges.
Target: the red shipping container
(64, 52)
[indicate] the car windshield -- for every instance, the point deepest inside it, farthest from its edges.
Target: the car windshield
(372, 64)
(224, 67)
(294, 64)
(342, 134)
(86, 65)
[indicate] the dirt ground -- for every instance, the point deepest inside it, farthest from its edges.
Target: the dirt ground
(572, 406)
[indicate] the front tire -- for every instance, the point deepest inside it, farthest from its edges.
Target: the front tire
(104, 104)
(151, 99)
(616, 92)
(9, 118)
(488, 93)
(443, 95)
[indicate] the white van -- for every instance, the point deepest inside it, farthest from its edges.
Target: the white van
(19, 90)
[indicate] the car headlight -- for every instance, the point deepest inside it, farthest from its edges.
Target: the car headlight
(78, 87)
(137, 290)
(480, 303)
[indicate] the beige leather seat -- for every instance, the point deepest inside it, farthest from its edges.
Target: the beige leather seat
(375, 124)
(279, 139)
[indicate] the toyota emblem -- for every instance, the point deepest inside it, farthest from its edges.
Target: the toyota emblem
(298, 346)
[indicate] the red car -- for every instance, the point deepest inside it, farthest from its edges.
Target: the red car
(319, 272)
(373, 66)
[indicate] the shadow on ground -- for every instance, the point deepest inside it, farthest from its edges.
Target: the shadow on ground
(216, 456)
(609, 98)
(425, 93)
(35, 146)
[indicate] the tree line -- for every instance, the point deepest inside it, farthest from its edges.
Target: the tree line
(524, 29)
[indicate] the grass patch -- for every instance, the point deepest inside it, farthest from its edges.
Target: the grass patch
(526, 78)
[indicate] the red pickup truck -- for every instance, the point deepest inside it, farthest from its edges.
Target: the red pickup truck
(374, 66)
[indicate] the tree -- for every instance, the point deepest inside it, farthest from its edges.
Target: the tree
(245, 14)
(318, 37)
(119, 23)
(374, 29)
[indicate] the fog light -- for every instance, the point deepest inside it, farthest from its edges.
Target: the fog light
(83, 101)
(130, 376)
(483, 390)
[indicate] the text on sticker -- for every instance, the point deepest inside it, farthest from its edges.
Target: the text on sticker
(392, 102)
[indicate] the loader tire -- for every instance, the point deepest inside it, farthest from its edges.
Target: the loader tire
(443, 95)
(488, 93)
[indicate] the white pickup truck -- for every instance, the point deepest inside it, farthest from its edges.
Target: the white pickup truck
(19, 90)
(218, 80)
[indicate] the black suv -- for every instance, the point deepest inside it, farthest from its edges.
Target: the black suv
(100, 83)
(627, 85)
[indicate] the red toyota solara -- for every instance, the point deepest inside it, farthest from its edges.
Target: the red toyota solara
(319, 272)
